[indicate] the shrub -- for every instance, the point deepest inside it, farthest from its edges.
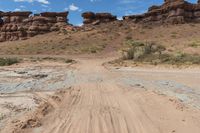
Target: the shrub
(195, 44)
(69, 61)
(140, 50)
(8, 61)
(152, 53)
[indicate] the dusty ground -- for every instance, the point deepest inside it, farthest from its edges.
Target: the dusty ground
(106, 99)
(21, 86)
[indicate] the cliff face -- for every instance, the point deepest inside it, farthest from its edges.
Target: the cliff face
(20, 25)
(96, 18)
(172, 11)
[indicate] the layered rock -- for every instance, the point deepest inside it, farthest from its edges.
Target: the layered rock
(20, 25)
(172, 11)
(96, 18)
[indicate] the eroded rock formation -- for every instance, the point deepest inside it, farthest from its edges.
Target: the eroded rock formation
(97, 18)
(172, 12)
(20, 25)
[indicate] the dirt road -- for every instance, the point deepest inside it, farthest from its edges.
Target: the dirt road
(101, 101)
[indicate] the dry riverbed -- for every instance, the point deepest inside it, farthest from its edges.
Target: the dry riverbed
(89, 97)
(24, 86)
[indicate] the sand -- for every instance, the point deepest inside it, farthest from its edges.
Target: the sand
(117, 100)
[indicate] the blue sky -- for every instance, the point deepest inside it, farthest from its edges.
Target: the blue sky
(76, 7)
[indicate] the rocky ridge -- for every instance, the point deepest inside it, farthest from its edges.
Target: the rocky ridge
(21, 25)
(171, 12)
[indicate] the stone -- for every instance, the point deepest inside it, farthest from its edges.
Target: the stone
(20, 25)
(61, 19)
(88, 15)
(54, 14)
(94, 19)
(170, 12)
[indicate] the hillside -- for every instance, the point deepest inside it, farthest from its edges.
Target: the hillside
(108, 37)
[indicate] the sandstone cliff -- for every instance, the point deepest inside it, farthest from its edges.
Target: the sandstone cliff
(20, 25)
(171, 12)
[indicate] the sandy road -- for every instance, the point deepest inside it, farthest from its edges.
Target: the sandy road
(97, 103)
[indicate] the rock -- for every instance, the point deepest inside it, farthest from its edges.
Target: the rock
(154, 7)
(6, 19)
(170, 12)
(62, 14)
(20, 25)
(39, 19)
(1, 22)
(25, 14)
(61, 19)
(94, 19)
(54, 14)
(88, 15)
(96, 22)
(31, 33)
(14, 27)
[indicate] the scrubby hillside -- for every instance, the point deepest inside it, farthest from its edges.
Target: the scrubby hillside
(110, 37)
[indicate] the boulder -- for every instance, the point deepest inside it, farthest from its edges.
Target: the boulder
(88, 15)
(62, 14)
(48, 14)
(54, 14)
(94, 19)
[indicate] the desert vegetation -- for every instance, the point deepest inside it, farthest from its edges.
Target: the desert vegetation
(150, 52)
(8, 61)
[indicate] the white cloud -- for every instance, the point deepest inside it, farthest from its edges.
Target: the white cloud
(43, 5)
(17, 9)
(73, 7)
(22, 6)
(120, 18)
(40, 1)
(94, 0)
(80, 24)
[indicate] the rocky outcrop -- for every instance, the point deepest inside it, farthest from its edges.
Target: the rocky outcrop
(171, 12)
(21, 25)
(97, 18)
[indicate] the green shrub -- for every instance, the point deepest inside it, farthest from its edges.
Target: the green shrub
(138, 50)
(8, 61)
(195, 44)
(152, 53)
(69, 61)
